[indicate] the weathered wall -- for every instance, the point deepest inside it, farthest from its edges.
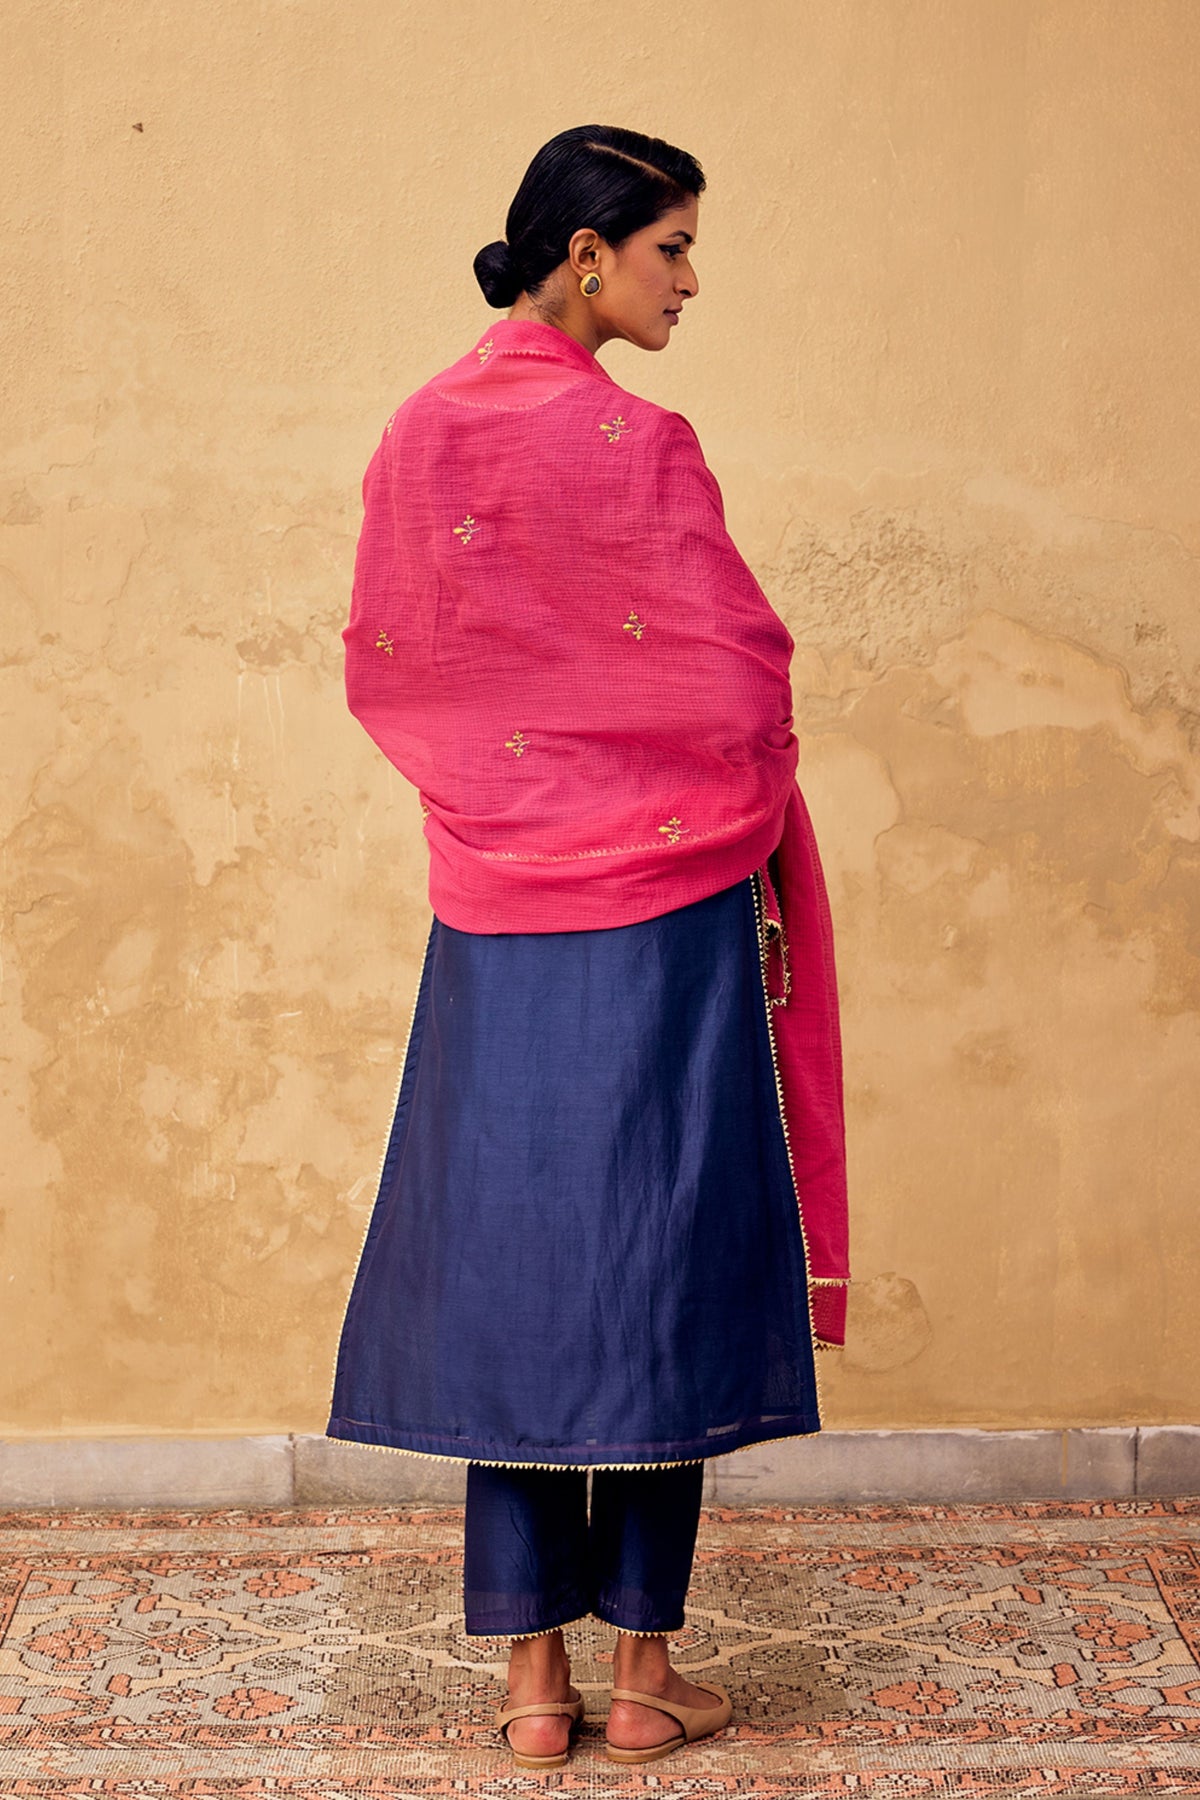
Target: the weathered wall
(945, 365)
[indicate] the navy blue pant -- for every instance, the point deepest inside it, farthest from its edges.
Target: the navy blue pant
(535, 1559)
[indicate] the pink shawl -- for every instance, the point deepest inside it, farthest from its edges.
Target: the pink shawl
(554, 638)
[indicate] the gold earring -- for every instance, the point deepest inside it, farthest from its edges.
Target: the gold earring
(590, 285)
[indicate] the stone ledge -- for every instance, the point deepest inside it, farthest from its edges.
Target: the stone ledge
(330, 1470)
(1168, 1460)
(146, 1471)
(1089, 1463)
(851, 1466)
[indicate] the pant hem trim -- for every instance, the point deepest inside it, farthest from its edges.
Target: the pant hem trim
(628, 1630)
(520, 1636)
(516, 1637)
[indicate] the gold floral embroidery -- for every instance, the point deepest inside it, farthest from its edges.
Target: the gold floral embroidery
(636, 625)
(615, 428)
(384, 642)
(387, 430)
(518, 743)
(483, 351)
(466, 531)
(424, 811)
(674, 828)
(538, 856)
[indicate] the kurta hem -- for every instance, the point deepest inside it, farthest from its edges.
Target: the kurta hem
(571, 1456)
(625, 1630)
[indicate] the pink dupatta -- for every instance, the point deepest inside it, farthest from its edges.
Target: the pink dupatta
(554, 638)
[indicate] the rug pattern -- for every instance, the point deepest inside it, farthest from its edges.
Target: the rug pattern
(879, 1653)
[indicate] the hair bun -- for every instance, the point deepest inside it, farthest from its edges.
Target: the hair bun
(496, 273)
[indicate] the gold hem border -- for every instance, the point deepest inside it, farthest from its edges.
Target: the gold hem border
(495, 1462)
(625, 1632)
(522, 1637)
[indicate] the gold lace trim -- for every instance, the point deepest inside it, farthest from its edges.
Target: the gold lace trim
(521, 1637)
(496, 1462)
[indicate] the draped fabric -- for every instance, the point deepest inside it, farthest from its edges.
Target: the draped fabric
(554, 638)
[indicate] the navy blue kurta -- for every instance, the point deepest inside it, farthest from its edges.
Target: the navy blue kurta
(585, 1249)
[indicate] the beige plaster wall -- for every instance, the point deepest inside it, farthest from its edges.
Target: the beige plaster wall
(945, 364)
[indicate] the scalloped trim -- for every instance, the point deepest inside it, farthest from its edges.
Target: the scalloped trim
(496, 1462)
(521, 1637)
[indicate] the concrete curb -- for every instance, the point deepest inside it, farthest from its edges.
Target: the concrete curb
(1086, 1463)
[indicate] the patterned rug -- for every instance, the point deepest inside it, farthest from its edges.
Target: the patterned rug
(878, 1653)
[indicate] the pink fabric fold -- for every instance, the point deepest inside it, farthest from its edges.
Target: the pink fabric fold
(554, 638)
(808, 1049)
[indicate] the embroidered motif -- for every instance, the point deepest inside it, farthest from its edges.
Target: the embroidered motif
(484, 351)
(387, 430)
(384, 642)
(636, 625)
(518, 743)
(675, 829)
(424, 811)
(466, 531)
(615, 428)
(540, 856)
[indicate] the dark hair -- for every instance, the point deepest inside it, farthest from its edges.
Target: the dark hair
(601, 176)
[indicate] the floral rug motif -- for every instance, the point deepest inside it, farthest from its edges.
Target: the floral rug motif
(873, 1653)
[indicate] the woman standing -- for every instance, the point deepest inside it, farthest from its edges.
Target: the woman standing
(593, 1246)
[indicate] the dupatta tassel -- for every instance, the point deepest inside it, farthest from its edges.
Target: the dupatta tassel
(779, 972)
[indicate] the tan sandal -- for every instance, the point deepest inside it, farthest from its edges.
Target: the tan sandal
(549, 1708)
(697, 1722)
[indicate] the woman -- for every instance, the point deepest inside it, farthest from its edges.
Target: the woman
(587, 1251)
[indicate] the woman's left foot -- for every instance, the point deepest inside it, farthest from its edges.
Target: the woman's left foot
(643, 1664)
(634, 1727)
